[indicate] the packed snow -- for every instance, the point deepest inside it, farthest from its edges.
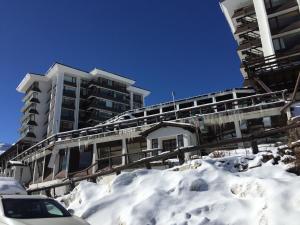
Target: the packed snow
(224, 188)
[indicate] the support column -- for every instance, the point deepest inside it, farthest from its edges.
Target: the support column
(145, 120)
(124, 151)
(264, 28)
(214, 106)
(236, 106)
(77, 102)
(95, 158)
(131, 100)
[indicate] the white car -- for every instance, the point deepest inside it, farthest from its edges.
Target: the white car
(34, 210)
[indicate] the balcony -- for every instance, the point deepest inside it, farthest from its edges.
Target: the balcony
(28, 105)
(292, 26)
(100, 105)
(67, 117)
(31, 108)
(250, 26)
(27, 131)
(69, 83)
(281, 7)
(248, 10)
(115, 87)
(68, 105)
(254, 43)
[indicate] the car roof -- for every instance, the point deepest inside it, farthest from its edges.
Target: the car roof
(23, 197)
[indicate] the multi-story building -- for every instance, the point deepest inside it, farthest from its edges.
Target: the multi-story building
(66, 98)
(268, 37)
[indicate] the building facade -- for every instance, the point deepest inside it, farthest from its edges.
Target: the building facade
(268, 36)
(67, 99)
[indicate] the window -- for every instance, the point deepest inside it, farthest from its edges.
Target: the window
(62, 160)
(180, 141)
(109, 104)
(66, 126)
(109, 82)
(33, 208)
(154, 143)
(69, 79)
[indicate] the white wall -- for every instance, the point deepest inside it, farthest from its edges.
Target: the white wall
(169, 132)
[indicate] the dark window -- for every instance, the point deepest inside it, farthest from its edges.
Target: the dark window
(86, 157)
(33, 208)
(62, 160)
(180, 140)
(66, 126)
(154, 143)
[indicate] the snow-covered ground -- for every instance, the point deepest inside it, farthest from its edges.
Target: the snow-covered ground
(236, 189)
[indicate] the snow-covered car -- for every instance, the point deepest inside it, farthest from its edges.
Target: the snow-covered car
(10, 186)
(34, 210)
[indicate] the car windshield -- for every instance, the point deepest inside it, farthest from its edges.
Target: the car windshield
(33, 208)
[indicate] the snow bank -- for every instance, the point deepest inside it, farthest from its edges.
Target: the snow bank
(201, 192)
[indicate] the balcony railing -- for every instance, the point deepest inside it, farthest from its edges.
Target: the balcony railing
(68, 105)
(67, 117)
(285, 4)
(272, 63)
(69, 83)
(98, 93)
(71, 94)
(98, 105)
(244, 11)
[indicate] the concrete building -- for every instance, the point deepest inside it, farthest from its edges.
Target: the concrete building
(66, 99)
(268, 36)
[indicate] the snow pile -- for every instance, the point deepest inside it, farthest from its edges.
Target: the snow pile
(9, 186)
(211, 191)
(4, 147)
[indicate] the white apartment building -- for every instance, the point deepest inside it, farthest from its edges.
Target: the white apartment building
(66, 98)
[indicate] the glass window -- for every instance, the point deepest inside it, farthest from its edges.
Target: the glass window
(69, 79)
(154, 143)
(62, 159)
(109, 104)
(33, 208)
(109, 82)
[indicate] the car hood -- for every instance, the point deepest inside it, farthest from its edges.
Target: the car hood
(47, 221)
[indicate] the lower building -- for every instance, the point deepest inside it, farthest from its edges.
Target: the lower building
(148, 131)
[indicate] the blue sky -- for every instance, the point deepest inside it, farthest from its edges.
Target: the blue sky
(172, 45)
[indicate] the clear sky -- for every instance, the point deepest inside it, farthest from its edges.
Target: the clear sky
(165, 45)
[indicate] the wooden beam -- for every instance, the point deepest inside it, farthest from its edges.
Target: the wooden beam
(262, 84)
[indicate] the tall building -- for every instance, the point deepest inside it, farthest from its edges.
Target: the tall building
(66, 98)
(268, 37)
